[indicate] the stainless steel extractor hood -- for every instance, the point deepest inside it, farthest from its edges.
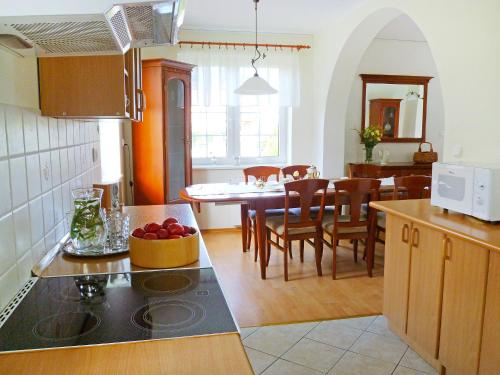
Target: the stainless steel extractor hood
(123, 26)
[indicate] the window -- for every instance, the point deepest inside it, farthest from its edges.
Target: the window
(231, 129)
(239, 134)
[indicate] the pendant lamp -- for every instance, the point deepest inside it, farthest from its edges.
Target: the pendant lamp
(256, 85)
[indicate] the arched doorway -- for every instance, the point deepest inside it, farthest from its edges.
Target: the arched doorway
(339, 122)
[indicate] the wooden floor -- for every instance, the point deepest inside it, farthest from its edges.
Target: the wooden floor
(305, 297)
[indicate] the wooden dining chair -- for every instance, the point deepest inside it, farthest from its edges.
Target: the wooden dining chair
(290, 170)
(247, 214)
(406, 187)
(301, 227)
(359, 223)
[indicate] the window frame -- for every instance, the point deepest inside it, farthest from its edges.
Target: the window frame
(233, 157)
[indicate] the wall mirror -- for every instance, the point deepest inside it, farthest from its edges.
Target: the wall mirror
(395, 104)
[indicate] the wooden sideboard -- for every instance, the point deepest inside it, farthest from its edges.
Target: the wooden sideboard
(397, 169)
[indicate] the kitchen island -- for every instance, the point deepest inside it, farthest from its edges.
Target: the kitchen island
(442, 284)
(218, 353)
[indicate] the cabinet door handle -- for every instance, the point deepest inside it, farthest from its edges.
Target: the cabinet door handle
(415, 238)
(447, 249)
(142, 101)
(405, 233)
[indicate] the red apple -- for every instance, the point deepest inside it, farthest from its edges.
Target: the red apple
(174, 236)
(150, 236)
(162, 233)
(138, 232)
(168, 221)
(176, 229)
(187, 229)
(152, 227)
(186, 235)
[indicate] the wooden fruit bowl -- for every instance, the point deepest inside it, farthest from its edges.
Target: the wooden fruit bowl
(164, 253)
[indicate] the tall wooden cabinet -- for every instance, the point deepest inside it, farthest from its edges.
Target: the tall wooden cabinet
(385, 114)
(162, 141)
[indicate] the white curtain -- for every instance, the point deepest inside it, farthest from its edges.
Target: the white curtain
(219, 71)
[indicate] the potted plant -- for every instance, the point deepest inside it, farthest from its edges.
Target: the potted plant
(370, 137)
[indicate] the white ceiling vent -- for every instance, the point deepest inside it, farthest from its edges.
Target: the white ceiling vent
(115, 31)
(119, 27)
(69, 37)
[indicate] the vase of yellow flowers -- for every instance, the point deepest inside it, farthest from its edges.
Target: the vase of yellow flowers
(370, 137)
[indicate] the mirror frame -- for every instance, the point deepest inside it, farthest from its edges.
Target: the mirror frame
(396, 79)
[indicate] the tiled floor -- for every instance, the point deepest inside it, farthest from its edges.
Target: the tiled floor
(357, 346)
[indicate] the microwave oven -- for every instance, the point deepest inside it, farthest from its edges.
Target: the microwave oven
(470, 189)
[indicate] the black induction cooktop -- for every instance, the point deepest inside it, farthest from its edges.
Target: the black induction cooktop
(112, 308)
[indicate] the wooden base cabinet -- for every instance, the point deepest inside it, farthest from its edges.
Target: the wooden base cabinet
(425, 288)
(465, 272)
(441, 297)
(413, 283)
(396, 272)
(489, 362)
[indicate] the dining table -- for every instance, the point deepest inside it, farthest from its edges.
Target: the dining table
(271, 196)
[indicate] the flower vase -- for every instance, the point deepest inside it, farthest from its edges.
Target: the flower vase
(368, 154)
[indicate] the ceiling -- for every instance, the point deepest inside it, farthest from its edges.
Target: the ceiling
(279, 16)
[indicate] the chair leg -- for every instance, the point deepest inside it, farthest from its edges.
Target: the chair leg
(255, 242)
(302, 251)
(336, 242)
(318, 253)
(355, 250)
(285, 259)
(244, 226)
(334, 259)
(268, 246)
(289, 245)
(249, 233)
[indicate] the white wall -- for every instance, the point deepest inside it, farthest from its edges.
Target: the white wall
(41, 159)
(464, 38)
(402, 58)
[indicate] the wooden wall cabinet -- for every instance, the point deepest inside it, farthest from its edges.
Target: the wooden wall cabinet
(436, 288)
(92, 86)
(162, 141)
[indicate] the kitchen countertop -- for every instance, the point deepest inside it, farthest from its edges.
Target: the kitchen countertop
(421, 211)
(55, 263)
(216, 354)
(209, 354)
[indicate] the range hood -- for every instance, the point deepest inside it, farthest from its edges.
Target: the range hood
(113, 31)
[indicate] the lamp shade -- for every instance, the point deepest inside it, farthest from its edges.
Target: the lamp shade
(255, 86)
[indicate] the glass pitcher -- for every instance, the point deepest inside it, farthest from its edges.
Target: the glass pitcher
(88, 225)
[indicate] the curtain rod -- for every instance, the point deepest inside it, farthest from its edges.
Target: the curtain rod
(298, 47)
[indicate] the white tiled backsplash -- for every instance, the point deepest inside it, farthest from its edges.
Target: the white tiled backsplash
(41, 160)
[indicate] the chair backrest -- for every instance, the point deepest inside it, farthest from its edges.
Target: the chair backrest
(412, 187)
(306, 190)
(354, 193)
(289, 170)
(262, 171)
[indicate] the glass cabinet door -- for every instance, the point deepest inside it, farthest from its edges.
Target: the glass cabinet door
(176, 172)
